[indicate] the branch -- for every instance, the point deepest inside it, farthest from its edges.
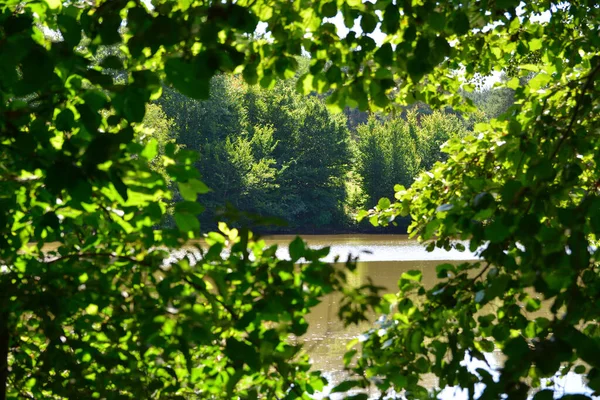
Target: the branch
(480, 274)
(589, 81)
(211, 296)
(94, 255)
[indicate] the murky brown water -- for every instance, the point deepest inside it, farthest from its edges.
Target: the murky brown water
(383, 259)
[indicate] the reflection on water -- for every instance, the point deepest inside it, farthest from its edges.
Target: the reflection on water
(390, 256)
(327, 337)
(371, 248)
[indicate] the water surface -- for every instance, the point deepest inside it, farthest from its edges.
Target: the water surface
(383, 258)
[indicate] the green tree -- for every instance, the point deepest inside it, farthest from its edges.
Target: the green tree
(492, 101)
(393, 151)
(156, 132)
(386, 155)
(266, 151)
(432, 132)
(312, 154)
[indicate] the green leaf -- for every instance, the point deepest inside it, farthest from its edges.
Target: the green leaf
(182, 76)
(186, 222)
(189, 207)
(413, 275)
(360, 396)
(460, 23)
(65, 120)
(345, 386)
(53, 4)
(384, 203)
(545, 394)
(437, 21)
(329, 9)
(400, 381)
(385, 55)
(391, 19)
(70, 29)
(368, 22)
(374, 220)
(242, 352)
(189, 190)
(305, 84)
(497, 232)
(416, 340)
(296, 249)
(150, 150)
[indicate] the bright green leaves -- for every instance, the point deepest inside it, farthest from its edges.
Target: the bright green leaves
(150, 150)
(70, 173)
(187, 222)
(53, 4)
(519, 191)
(305, 84)
(410, 280)
(192, 188)
(383, 203)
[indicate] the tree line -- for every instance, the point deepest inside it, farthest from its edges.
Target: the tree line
(277, 153)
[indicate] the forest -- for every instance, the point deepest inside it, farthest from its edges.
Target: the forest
(276, 153)
(146, 146)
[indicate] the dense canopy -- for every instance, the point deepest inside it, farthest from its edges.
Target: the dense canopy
(93, 301)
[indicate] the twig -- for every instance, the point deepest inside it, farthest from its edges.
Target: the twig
(93, 255)
(211, 296)
(585, 87)
(481, 272)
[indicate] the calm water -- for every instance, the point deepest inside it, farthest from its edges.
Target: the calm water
(383, 258)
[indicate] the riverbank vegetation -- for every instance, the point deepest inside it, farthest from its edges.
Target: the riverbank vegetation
(99, 148)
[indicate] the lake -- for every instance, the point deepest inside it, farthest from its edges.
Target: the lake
(383, 258)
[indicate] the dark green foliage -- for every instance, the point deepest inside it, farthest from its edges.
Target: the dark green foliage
(270, 152)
